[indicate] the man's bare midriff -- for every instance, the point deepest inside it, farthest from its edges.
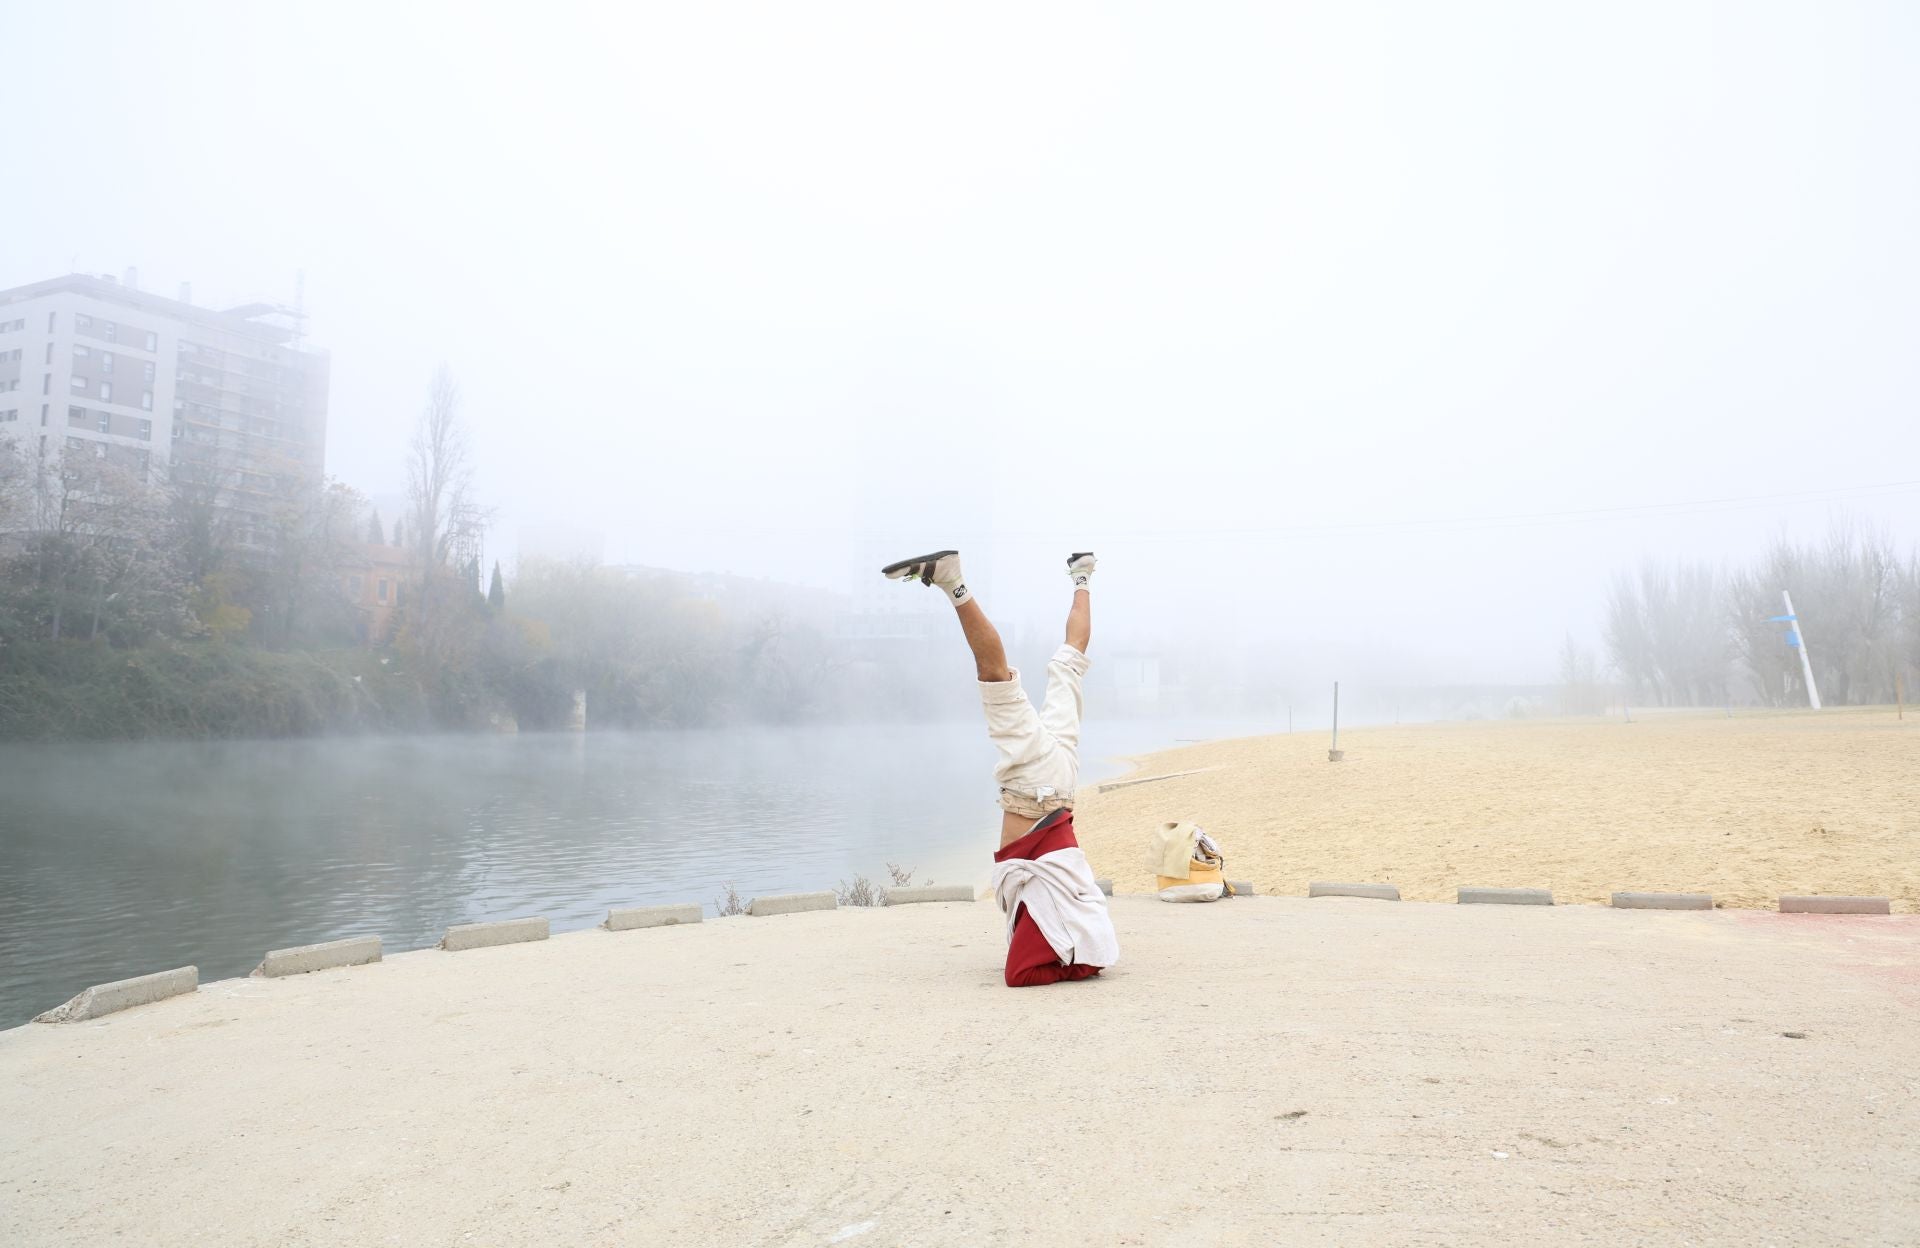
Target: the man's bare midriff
(1013, 827)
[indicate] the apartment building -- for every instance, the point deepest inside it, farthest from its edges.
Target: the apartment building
(222, 401)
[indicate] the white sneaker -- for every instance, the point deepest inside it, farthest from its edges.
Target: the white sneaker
(1080, 568)
(941, 568)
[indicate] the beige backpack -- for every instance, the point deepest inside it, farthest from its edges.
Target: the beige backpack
(1187, 864)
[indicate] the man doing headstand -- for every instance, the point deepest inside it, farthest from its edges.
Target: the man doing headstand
(1057, 922)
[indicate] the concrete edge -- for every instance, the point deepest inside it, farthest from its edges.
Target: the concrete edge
(1662, 901)
(1105, 886)
(124, 994)
(303, 959)
(1473, 895)
(1375, 892)
(1808, 904)
(1241, 888)
(484, 935)
(791, 903)
(912, 894)
(653, 916)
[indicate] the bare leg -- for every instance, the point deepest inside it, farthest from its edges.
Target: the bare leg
(989, 656)
(1080, 621)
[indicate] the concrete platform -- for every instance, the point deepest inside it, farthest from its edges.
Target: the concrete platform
(1471, 896)
(123, 994)
(1374, 892)
(1662, 901)
(485, 935)
(910, 894)
(653, 916)
(791, 903)
(1413, 1074)
(305, 959)
(1835, 905)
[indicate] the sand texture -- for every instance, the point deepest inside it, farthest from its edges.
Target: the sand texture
(1746, 808)
(1265, 1071)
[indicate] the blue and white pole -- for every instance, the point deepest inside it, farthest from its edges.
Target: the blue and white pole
(1799, 642)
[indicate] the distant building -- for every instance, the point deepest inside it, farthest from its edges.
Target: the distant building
(371, 581)
(224, 401)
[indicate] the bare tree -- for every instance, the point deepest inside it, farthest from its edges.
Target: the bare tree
(446, 526)
(439, 474)
(93, 556)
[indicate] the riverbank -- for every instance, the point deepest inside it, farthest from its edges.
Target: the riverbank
(1273, 1070)
(1746, 808)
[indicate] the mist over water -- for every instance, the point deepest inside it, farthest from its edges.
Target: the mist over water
(121, 859)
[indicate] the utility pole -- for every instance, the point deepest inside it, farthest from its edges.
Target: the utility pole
(1798, 641)
(1334, 755)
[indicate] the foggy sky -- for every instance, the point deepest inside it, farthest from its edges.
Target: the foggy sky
(1376, 327)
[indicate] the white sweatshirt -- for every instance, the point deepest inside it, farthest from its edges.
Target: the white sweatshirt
(1060, 895)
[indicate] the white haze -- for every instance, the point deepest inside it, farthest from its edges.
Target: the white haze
(1254, 300)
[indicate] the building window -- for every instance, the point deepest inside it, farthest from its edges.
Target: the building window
(80, 352)
(146, 431)
(178, 430)
(111, 329)
(153, 343)
(13, 413)
(49, 353)
(43, 415)
(146, 400)
(106, 422)
(148, 370)
(79, 382)
(383, 589)
(106, 361)
(76, 415)
(106, 392)
(80, 321)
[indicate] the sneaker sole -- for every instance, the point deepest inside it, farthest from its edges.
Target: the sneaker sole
(893, 569)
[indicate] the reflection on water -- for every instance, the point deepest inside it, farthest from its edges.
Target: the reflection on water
(120, 859)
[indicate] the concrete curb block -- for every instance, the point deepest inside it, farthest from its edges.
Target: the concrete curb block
(1662, 901)
(1241, 888)
(791, 903)
(301, 959)
(1105, 886)
(910, 894)
(1835, 905)
(124, 994)
(1505, 897)
(652, 916)
(1378, 892)
(481, 935)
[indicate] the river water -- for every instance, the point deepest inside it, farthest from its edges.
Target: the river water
(120, 859)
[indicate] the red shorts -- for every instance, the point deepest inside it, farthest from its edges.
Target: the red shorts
(1030, 959)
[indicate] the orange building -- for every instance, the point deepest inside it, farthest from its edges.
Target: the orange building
(372, 584)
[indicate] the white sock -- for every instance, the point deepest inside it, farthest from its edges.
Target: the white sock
(946, 574)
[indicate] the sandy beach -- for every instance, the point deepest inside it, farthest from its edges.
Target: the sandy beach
(1746, 808)
(1266, 1071)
